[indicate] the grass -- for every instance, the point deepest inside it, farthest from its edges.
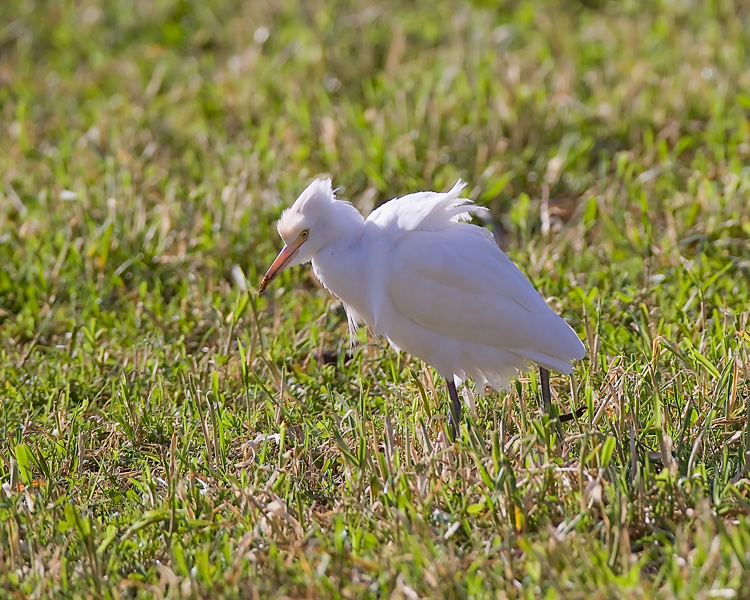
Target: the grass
(168, 434)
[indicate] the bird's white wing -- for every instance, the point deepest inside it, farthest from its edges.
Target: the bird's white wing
(458, 283)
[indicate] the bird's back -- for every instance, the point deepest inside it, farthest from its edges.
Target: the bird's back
(425, 211)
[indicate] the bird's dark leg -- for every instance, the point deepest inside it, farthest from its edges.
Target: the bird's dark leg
(455, 408)
(576, 414)
(546, 394)
(547, 401)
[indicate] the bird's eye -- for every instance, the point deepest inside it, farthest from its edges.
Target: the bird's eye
(304, 234)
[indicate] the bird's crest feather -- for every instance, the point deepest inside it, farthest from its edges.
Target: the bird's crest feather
(319, 193)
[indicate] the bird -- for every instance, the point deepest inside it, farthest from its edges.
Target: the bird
(417, 272)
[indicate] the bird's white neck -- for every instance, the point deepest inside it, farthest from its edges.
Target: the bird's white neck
(343, 266)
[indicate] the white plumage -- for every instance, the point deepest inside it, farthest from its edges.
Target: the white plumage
(434, 285)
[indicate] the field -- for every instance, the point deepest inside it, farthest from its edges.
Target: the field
(168, 432)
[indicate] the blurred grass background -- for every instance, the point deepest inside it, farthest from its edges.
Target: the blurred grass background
(166, 434)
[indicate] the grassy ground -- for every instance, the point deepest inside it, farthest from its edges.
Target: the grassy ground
(166, 433)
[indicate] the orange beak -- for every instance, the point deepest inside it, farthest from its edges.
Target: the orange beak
(288, 252)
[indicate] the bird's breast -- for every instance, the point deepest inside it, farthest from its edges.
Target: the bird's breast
(346, 273)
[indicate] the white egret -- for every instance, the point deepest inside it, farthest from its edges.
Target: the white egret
(432, 284)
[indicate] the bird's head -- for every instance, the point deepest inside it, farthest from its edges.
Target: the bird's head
(314, 220)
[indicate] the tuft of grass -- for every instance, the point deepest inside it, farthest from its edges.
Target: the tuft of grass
(167, 433)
